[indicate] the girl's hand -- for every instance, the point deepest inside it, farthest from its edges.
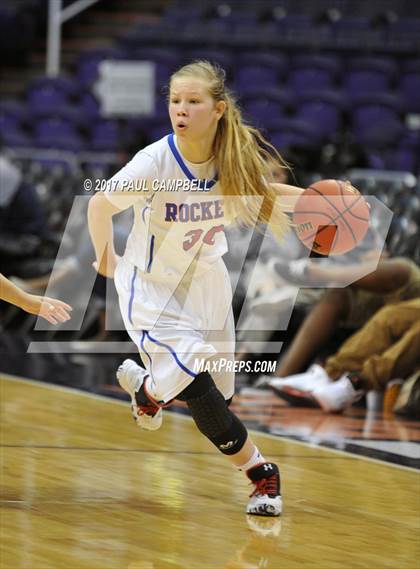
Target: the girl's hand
(51, 309)
(349, 186)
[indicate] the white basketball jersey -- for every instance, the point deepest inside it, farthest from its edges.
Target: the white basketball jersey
(178, 211)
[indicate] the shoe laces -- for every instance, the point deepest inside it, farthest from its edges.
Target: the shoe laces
(148, 409)
(267, 486)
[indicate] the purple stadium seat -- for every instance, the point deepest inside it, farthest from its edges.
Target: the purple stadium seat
(411, 139)
(369, 75)
(263, 105)
(402, 158)
(293, 132)
(15, 109)
(57, 133)
(165, 60)
(251, 75)
(407, 155)
(295, 23)
(352, 32)
(221, 57)
(409, 85)
(376, 120)
(53, 127)
(89, 107)
(161, 108)
(13, 117)
(404, 33)
(331, 63)
(255, 69)
(46, 99)
(312, 72)
(50, 96)
(215, 30)
(244, 24)
(399, 158)
(243, 19)
(323, 109)
(55, 164)
(70, 113)
(14, 136)
(87, 69)
(284, 139)
(299, 29)
(87, 72)
(235, 16)
(67, 85)
(105, 136)
(9, 122)
(158, 131)
(391, 100)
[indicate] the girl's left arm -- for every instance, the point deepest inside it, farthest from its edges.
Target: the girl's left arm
(288, 195)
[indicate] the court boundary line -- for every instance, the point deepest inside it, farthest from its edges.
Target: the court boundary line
(152, 451)
(104, 398)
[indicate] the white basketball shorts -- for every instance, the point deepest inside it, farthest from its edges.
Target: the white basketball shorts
(178, 326)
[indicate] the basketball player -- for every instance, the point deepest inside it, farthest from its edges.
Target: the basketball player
(51, 309)
(174, 289)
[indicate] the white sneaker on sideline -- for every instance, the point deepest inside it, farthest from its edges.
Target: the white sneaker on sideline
(263, 381)
(297, 389)
(306, 381)
(337, 395)
(131, 377)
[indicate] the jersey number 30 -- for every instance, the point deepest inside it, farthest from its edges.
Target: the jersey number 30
(195, 234)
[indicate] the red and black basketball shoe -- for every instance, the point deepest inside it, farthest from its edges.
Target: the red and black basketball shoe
(265, 500)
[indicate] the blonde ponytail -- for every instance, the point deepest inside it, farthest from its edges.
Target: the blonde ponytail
(244, 158)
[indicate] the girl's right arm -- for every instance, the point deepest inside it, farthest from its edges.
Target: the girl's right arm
(119, 196)
(100, 212)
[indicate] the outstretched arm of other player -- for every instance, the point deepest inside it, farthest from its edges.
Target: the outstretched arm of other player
(100, 213)
(51, 309)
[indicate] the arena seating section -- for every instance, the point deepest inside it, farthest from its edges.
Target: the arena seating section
(305, 72)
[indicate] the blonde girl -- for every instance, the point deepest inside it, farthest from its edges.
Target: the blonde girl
(174, 290)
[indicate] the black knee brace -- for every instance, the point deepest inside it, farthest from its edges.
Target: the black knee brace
(212, 416)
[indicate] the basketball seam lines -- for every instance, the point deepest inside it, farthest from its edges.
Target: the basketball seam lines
(346, 206)
(338, 211)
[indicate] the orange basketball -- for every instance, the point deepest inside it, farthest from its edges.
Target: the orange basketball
(331, 217)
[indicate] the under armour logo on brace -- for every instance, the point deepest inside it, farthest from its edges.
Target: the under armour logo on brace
(268, 467)
(228, 445)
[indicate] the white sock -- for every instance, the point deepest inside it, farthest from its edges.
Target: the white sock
(256, 458)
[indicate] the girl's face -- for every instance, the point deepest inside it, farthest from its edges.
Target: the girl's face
(193, 112)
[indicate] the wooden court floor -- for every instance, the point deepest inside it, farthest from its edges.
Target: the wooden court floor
(83, 488)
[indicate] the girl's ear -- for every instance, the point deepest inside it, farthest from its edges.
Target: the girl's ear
(220, 109)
